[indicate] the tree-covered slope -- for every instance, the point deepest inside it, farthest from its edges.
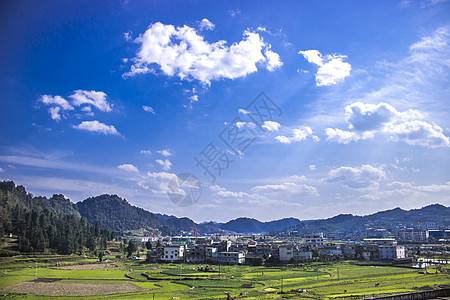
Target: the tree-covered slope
(116, 213)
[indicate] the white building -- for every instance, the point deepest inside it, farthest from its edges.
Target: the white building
(289, 252)
(231, 258)
(314, 240)
(392, 252)
(414, 235)
(286, 252)
(172, 253)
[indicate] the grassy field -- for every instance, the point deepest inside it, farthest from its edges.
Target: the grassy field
(86, 279)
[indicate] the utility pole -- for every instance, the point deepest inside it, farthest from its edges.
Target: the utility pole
(180, 271)
(317, 266)
(338, 272)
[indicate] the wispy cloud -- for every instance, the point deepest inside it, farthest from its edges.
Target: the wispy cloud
(165, 152)
(149, 109)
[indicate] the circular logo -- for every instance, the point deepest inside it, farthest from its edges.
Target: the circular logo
(184, 189)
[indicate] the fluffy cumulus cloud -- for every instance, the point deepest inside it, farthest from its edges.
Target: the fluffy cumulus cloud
(182, 52)
(94, 98)
(332, 68)
(54, 113)
(206, 24)
(80, 98)
(364, 177)
(57, 101)
(165, 164)
(298, 135)
(365, 120)
(128, 168)
(96, 126)
(156, 182)
(271, 125)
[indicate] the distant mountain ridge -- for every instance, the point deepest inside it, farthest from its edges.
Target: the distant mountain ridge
(434, 213)
(248, 225)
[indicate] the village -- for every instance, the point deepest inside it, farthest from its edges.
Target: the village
(238, 249)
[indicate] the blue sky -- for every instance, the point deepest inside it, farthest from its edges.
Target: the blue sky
(118, 97)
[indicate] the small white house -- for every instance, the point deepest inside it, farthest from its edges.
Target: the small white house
(173, 253)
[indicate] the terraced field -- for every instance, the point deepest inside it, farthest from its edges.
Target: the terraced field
(83, 279)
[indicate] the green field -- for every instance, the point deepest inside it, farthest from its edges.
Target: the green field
(86, 279)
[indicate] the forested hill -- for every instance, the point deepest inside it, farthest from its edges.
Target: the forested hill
(42, 224)
(116, 213)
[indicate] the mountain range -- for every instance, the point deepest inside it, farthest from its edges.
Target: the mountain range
(115, 213)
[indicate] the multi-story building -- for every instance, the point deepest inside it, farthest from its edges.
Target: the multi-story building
(172, 253)
(231, 258)
(415, 235)
(314, 240)
(393, 252)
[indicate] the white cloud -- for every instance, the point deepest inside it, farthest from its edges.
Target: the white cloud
(271, 125)
(128, 168)
(165, 152)
(56, 100)
(206, 24)
(243, 111)
(248, 124)
(312, 167)
(127, 35)
(365, 177)
(96, 126)
(298, 135)
(364, 120)
(146, 152)
(346, 137)
(182, 52)
(97, 99)
(165, 164)
(2, 170)
(235, 12)
(288, 187)
(54, 113)
(156, 182)
(332, 68)
(148, 109)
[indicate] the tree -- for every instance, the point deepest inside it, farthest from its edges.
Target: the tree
(100, 256)
(131, 248)
(149, 245)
